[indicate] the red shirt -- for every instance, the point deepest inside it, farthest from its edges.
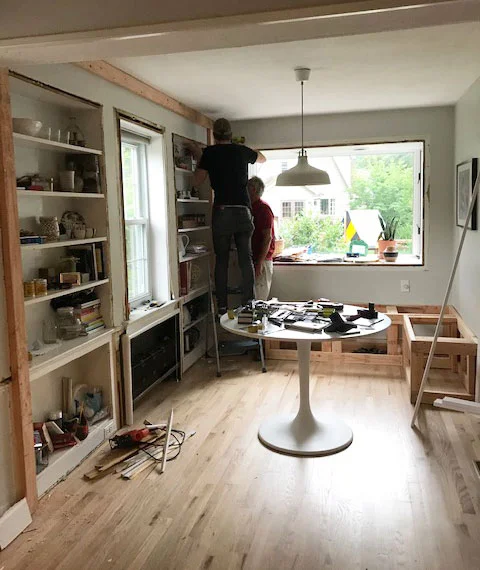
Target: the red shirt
(263, 220)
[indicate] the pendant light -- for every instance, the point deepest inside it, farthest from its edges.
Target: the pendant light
(303, 174)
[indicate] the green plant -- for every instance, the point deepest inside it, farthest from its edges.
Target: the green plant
(389, 228)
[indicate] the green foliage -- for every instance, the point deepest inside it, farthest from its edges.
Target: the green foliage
(385, 183)
(324, 234)
(389, 228)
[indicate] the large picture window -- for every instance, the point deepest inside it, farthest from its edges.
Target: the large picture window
(368, 181)
(136, 213)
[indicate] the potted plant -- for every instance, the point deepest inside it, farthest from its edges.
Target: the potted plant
(387, 235)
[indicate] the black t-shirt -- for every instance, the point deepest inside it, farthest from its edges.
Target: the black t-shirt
(227, 166)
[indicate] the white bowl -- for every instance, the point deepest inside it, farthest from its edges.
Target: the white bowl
(27, 127)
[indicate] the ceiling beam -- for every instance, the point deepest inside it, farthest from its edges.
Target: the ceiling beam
(118, 77)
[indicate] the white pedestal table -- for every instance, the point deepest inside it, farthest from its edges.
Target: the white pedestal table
(303, 433)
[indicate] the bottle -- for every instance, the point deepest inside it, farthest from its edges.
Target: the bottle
(75, 136)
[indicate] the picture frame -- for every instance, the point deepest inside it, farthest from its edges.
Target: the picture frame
(465, 182)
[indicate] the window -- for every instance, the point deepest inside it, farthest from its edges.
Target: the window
(367, 181)
(299, 207)
(136, 213)
(286, 209)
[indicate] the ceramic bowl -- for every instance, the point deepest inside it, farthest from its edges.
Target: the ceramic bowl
(390, 256)
(27, 127)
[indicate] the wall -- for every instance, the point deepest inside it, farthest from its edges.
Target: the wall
(379, 284)
(467, 146)
(84, 84)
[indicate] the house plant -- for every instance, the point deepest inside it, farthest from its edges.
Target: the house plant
(387, 235)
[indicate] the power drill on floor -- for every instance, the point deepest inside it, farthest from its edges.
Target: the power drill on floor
(133, 437)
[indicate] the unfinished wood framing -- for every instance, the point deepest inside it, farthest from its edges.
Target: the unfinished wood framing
(122, 79)
(21, 399)
(454, 366)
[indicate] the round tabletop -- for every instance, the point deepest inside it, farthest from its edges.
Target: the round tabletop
(364, 327)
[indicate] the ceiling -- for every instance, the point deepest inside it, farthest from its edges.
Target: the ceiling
(397, 69)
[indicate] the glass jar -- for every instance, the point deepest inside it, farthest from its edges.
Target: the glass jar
(49, 330)
(40, 287)
(49, 228)
(75, 134)
(69, 325)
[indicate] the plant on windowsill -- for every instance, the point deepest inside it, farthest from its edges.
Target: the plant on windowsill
(386, 239)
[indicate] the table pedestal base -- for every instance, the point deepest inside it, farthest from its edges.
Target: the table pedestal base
(296, 435)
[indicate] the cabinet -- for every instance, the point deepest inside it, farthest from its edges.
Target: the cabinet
(195, 254)
(41, 160)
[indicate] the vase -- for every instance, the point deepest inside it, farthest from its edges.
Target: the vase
(383, 244)
(49, 228)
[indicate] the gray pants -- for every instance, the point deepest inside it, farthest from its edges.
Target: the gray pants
(237, 222)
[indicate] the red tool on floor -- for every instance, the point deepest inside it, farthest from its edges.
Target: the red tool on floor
(132, 438)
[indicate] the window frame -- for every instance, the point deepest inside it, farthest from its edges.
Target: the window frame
(140, 143)
(419, 215)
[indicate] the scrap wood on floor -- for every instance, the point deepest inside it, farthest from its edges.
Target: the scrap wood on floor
(133, 451)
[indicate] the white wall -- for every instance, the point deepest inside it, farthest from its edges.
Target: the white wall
(465, 293)
(379, 284)
(84, 84)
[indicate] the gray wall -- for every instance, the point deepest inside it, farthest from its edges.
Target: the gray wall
(380, 284)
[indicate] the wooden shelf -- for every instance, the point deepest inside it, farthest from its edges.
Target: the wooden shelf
(193, 256)
(190, 201)
(66, 351)
(195, 322)
(63, 292)
(65, 243)
(194, 294)
(65, 460)
(183, 230)
(36, 142)
(47, 194)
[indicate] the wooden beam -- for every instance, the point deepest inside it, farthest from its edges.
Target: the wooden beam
(122, 79)
(12, 262)
(445, 345)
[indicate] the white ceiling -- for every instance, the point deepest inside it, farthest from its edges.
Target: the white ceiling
(398, 69)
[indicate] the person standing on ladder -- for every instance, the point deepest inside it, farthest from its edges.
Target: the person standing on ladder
(226, 163)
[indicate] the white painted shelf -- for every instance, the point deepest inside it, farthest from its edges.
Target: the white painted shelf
(194, 256)
(194, 294)
(66, 351)
(183, 230)
(63, 292)
(64, 243)
(62, 461)
(191, 357)
(190, 201)
(37, 142)
(47, 194)
(195, 322)
(183, 170)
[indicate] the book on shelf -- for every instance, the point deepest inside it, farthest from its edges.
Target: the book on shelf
(100, 261)
(185, 278)
(100, 324)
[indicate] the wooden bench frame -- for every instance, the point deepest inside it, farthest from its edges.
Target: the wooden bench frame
(455, 355)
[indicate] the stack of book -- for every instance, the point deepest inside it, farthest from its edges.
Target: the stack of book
(90, 315)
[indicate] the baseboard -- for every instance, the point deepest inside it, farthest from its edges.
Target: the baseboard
(14, 522)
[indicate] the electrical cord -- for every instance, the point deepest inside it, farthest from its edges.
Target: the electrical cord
(178, 436)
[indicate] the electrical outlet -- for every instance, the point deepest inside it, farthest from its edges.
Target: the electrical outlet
(405, 286)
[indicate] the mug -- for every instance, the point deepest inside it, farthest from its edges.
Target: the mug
(183, 241)
(90, 232)
(79, 231)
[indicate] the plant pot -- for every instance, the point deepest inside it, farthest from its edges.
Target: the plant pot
(382, 246)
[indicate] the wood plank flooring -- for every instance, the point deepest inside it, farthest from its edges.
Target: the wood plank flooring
(396, 498)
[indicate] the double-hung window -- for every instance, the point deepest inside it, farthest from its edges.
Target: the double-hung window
(136, 214)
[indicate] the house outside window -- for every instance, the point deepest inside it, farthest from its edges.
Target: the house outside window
(286, 209)
(299, 207)
(136, 213)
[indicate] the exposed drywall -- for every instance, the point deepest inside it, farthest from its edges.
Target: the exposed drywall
(467, 146)
(379, 284)
(84, 84)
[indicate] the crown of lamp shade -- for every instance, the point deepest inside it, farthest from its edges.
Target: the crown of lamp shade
(303, 174)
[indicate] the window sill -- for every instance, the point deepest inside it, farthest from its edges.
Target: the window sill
(370, 261)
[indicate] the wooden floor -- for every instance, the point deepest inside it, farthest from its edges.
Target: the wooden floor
(396, 498)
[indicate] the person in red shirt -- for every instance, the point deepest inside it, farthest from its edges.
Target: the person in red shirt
(263, 238)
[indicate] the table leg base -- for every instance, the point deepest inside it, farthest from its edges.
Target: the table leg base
(294, 436)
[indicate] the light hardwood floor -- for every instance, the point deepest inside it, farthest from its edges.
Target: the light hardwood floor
(396, 498)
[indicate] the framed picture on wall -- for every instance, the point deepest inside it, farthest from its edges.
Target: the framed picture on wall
(466, 176)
